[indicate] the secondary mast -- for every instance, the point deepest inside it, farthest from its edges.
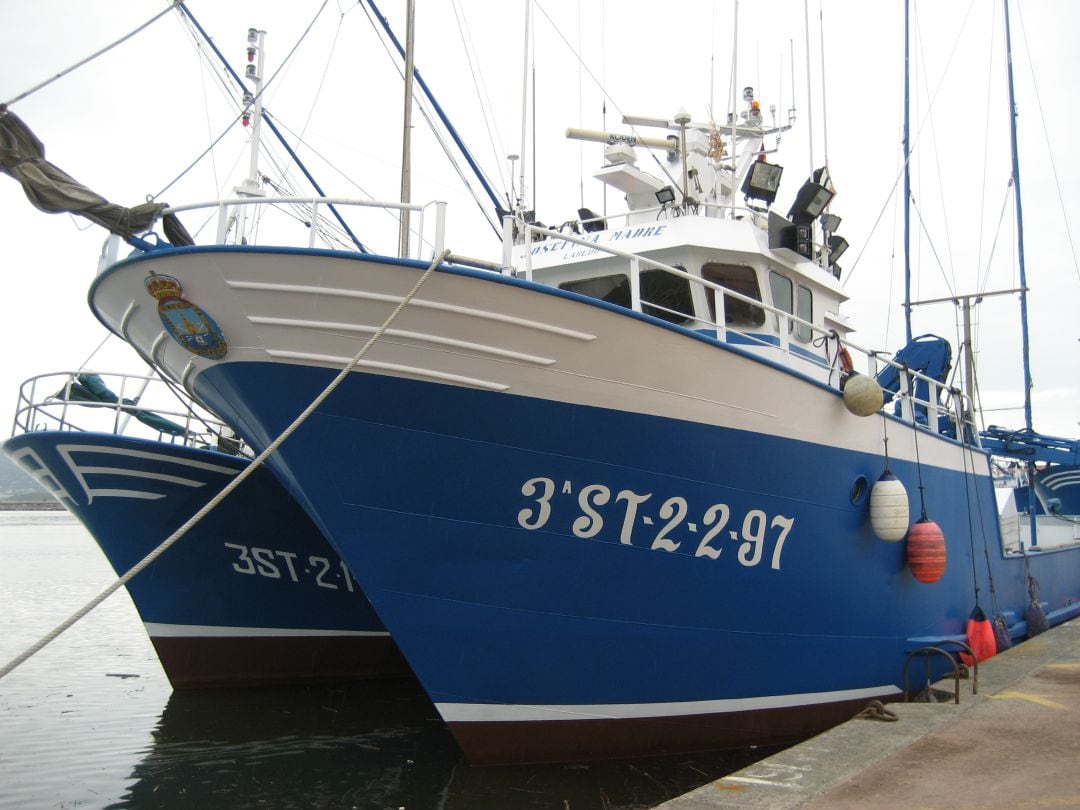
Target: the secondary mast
(406, 135)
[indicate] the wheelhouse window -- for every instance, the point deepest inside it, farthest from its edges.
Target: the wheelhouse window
(663, 295)
(612, 289)
(804, 308)
(740, 279)
(666, 296)
(782, 296)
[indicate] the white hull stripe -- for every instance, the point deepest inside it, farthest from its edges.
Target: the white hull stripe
(168, 459)
(501, 713)
(172, 479)
(411, 371)
(136, 494)
(217, 631)
(1062, 479)
(417, 303)
(420, 337)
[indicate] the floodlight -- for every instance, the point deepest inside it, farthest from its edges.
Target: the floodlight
(810, 201)
(837, 246)
(665, 195)
(830, 222)
(762, 181)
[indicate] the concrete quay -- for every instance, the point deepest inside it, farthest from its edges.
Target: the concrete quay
(1016, 744)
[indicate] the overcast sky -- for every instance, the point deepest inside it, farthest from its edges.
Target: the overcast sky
(128, 125)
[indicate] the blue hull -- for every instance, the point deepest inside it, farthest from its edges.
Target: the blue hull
(572, 581)
(253, 594)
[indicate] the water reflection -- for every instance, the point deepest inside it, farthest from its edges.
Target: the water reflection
(318, 747)
(90, 721)
(375, 746)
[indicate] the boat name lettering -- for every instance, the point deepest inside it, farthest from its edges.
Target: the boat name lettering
(322, 571)
(760, 537)
(642, 232)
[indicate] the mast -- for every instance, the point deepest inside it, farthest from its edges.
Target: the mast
(1023, 273)
(256, 46)
(437, 107)
(1019, 222)
(253, 114)
(406, 135)
(907, 172)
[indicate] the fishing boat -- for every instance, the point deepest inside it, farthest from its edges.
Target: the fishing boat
(1041, 476)
(628, 488)
(253, 595)
(609, 501)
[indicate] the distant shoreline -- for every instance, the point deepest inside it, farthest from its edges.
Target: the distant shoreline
(31, 506)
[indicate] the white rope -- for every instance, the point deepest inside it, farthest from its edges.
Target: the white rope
(257, 462)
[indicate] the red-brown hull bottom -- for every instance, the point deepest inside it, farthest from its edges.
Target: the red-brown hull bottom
(212, 662)
(506, 743)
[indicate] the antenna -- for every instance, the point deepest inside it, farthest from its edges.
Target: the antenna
(524, 107)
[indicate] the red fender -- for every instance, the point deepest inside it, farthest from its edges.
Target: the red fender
(980, 637)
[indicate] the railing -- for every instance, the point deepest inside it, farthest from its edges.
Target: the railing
(912, 408)
(122, 404)
(307, 212)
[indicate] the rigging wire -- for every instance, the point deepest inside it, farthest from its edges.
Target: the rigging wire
(914, 141)
(824, 84)
(933, 249)
(986, 153)
(477, 171)
(212, 65)
(809, 89)
(896, 218)
(1049, 148)
(197, 160)
(322, 79)
(425, 111)
(351, 181)
(950, 266)
(664, 169)
(984, 282)
(330, 231)
(90, 357)
(93, 56)
(482, 95)
(580, 115)
(287, 61)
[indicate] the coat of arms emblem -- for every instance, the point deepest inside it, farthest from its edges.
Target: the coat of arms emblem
(189, 326)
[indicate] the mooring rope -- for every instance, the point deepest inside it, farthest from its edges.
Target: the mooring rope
(239, 479)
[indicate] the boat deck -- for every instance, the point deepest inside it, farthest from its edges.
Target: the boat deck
(1015, 744)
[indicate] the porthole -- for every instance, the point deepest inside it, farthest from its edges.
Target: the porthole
(859, 490)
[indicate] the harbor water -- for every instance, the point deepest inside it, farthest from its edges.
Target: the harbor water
(91, 720)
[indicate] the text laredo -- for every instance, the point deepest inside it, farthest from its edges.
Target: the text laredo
(755, 530)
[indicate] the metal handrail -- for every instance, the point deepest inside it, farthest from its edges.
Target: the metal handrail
(910, 403)
(425, 246)
(44, 403)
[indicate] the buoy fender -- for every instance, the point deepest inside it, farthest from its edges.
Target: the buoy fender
(926, 551)
(889, 511)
